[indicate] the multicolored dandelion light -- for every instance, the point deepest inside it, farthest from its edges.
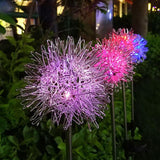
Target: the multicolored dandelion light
(119, 54)
(130, 42)
(64, 83)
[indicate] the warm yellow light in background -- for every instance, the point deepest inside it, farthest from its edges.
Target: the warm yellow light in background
(19, 2)
(18, 10)
(97, 26)
(120, 8)
(4, 24)
(153, 8)
(60, 10)
(8, 30)
(21, 22)
(122, 1)
(23, 2)
(149, 6)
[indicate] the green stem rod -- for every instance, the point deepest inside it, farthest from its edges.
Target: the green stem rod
(69, 144)
(124, 110)
(113, 128)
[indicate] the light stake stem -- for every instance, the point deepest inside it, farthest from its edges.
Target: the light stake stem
(124, 109)
(132, 111)
(113, 127)
(69, 143)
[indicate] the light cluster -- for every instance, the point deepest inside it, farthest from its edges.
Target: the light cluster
(119, 54)
(72, 82)
(132, 43)
(64, 83)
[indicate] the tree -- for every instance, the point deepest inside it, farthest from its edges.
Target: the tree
(140, 17)
(48, 15)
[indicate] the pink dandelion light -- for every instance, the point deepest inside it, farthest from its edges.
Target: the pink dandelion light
(64, 83)
(116, 62)
(132, 43)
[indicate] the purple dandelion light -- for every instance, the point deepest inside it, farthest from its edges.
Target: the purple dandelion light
(63, 82)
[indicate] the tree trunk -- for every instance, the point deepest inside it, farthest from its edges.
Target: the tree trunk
(140, 17)
(48, 15)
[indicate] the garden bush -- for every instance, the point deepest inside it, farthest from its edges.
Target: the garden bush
(147, 95)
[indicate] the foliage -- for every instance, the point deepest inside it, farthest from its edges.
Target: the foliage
(154, 22)
(7, 19)
(147, 115)
(150, 67)
(147, 99)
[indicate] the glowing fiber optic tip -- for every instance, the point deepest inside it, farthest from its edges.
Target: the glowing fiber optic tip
(67, 94)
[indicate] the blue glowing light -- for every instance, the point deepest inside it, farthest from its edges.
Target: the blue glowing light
(139, 53)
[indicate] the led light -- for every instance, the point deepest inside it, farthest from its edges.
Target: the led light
(64, 82)
(149, 6)
(67, 95)
(110, 16)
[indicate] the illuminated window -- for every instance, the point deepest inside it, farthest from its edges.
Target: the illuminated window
(115, 10)
(23, 2)
(149, 6)
(120, 8)
(60, 8)
(21, 21)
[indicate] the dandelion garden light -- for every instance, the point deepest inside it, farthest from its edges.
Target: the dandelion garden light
(72, 82)
(119, 54)
(63, 81)
(123, 50)
(131, 43)
(115, 62)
